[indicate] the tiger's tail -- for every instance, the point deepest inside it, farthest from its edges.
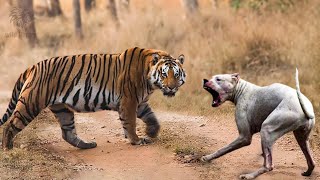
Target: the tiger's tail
(15, 96)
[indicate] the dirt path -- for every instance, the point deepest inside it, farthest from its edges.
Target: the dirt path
(115, 158)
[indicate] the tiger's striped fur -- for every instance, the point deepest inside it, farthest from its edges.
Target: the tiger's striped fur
(93, 82)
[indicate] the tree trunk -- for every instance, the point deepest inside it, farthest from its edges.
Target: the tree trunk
(126, 4)
(89, 4)
(214, 4)
(113, 9)
(23, 18)
(191, 6)
(77, 18)
(54, 8)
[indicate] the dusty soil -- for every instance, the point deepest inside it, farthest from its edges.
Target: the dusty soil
(171, 156)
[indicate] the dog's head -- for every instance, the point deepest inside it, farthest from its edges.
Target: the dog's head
(221, 87)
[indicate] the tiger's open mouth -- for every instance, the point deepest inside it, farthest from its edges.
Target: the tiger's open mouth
(216, 101)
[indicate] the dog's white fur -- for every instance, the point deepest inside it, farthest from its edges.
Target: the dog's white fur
(271, 110)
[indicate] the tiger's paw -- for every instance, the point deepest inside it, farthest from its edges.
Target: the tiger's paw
(143, 141)
(86, 145)
(152, 130)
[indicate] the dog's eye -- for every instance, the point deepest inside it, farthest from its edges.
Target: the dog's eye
(218, 79)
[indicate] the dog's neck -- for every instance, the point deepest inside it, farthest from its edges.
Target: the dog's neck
(241, 89)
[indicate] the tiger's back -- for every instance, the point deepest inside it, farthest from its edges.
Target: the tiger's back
(80, 81)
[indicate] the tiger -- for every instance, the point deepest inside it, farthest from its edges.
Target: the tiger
(120, 82)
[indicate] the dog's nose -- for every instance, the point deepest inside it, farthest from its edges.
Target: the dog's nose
(205, 81)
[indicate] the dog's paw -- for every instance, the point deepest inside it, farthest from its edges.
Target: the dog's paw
(246, 176)
(205, 159)
(307, 173)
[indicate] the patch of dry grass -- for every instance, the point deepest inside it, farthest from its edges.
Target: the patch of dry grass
(179, 143)
(187, 149)
(29, 159)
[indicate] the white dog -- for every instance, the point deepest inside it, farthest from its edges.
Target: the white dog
(271, 110)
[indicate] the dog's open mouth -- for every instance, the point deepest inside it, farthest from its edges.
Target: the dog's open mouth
(215, 95)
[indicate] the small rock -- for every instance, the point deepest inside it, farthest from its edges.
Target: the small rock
(93, 138)
(108, 141)
(202, 125)
(23, 146)
(103, 126)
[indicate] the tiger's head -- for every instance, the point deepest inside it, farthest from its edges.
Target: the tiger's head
(166, 73)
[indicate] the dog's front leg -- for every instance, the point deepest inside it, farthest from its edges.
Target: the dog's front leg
(236, 144)
(244, 139)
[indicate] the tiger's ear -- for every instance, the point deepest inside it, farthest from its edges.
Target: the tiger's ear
(155, 58)
(181, 58)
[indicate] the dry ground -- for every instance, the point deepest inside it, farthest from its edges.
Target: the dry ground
(41, 153)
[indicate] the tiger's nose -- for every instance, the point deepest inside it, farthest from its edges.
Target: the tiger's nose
(171, 88)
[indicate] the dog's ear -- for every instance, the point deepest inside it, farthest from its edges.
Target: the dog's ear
(235, 76)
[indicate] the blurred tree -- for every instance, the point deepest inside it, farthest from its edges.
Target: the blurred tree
(23, 18)
(77, 18)
(113, 9)
(192, 6)
(89, 4)
(214, 4)
(10, 2)
(54, 8)
(126, 4)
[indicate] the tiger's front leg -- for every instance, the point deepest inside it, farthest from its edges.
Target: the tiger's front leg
(127, 113)
(147, 115)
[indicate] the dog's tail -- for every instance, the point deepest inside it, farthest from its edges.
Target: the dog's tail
(304, 102)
